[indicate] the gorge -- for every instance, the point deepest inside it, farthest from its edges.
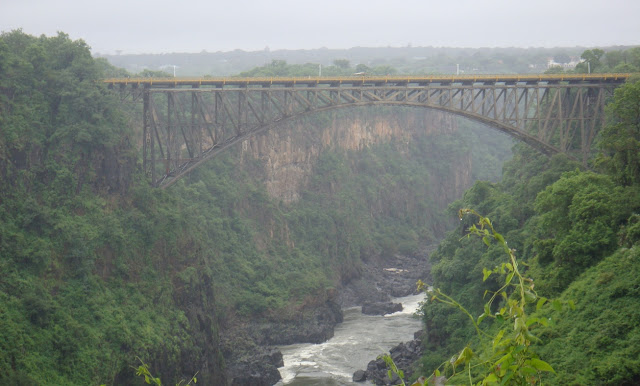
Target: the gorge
(377, 139)
(268, 243)
(102, 272)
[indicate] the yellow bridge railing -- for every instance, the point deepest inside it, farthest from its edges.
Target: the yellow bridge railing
(367, 79)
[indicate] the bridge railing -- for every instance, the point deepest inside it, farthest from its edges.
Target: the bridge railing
(361, 79)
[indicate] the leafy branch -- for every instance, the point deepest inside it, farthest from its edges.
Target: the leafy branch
(392, 368)
(512, 361)
(143, 371)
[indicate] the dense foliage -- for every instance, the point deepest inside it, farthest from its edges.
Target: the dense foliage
(577, 231)
(81, 290)
(356, 205)
(98, 268)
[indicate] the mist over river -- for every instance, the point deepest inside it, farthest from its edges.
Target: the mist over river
(357, 340)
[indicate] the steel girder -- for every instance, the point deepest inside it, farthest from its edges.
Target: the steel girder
(184, 127)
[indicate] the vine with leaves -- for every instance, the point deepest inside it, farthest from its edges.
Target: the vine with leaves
(143, 371)
(512, 360)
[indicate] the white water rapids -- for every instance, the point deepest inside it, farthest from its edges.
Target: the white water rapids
(357, 340)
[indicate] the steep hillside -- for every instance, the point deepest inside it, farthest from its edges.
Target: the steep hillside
(101, 271)
(576, 235)
(90, 275)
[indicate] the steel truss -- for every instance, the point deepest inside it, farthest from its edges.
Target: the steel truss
(184, 127)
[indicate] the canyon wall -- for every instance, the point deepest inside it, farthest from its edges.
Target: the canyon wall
(289, 152)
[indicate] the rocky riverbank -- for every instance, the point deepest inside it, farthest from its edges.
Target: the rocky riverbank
(394, 277)
(384, 278)
(404, 355)
(249, 349)
(250, 352)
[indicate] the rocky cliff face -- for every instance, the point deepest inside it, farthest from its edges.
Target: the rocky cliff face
(289, 153)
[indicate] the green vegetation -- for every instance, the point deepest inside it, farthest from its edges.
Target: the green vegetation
(403, 60)
(592, 60)
(597, 343)
(600, 61)
(149, 379)
(340, 67)
(620, 139)
(355, 206)
(99, 268)
(511, 360)
(84, 284)
(576, 232)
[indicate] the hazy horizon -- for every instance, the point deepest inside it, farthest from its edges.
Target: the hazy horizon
(161, 26)
(363, 47)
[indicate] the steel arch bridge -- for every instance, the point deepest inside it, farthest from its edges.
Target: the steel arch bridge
(188, 121)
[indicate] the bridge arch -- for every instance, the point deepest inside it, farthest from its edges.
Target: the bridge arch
(554, 114)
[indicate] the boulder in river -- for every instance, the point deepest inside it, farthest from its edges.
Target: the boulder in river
(381, 308)
(255, 372)
(359, 376)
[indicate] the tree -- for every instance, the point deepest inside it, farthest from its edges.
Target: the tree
(625, 68)
(342, 63)
(554, 70)
(591, 61)
(633, 55)
(146, 73)
(362, 68)
(620, 143)
(613, 58)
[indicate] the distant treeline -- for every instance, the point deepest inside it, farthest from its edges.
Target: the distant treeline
(415, 60)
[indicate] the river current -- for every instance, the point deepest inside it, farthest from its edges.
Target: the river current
(356, 341)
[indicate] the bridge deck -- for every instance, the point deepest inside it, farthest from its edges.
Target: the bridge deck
(364, 80)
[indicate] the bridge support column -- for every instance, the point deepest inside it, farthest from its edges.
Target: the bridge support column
(148, 145)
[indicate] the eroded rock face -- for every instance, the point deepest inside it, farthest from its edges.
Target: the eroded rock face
(316, 327)
(289, 153)
(198, 305)
(249, 352)
(261, 370)
(387, 277)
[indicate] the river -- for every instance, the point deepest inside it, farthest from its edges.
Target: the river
(357, 340)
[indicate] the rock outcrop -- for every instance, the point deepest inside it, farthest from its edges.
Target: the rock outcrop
(359, 376)
(251, 357)
(384, 278)
(260, 369)
(315, 327)
(381, 308)
(404, 355)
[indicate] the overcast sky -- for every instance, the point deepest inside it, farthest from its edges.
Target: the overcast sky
(156, 26)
